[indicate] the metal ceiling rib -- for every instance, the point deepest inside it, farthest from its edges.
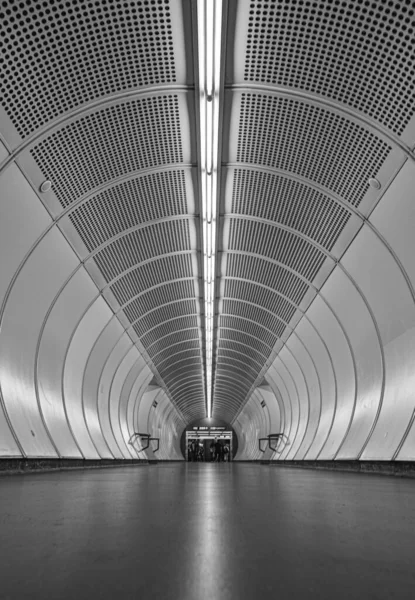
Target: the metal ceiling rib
(99, 97)
(103, 105)
(307, 123)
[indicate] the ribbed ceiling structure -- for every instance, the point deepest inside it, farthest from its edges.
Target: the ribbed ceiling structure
(317, 94)
(101, 99)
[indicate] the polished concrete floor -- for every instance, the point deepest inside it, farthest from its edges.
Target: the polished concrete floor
(214, 531)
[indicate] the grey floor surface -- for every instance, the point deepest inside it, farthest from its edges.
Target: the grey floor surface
(214, 531)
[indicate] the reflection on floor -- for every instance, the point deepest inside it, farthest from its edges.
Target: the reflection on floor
(215, 531)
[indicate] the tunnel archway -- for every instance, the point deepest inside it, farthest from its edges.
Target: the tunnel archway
(210, 426)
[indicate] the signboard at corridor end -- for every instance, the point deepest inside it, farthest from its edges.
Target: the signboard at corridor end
(208, 428)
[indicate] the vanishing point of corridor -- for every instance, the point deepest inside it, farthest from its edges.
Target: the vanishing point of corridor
(206, 531)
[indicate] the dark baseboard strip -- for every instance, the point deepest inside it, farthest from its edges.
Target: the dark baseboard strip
(14, 466)
(394, 468)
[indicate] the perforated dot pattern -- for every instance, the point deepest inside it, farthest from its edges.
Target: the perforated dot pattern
(182, 335)
(124, 206)
(310, 142)
(151, 274)
(178, 347)
(111, 143)
(165, 329)
(269, 274)
(237, 346)
(239, 358)
(361, 53)
(141, 245)
(236, 337)
(57, 55)
(289, 202)
(240, 308)
(264, 297)
(164, 294)
(238, 363)
(163, 314)
(252, 329)
(277, 244)
(186, 360)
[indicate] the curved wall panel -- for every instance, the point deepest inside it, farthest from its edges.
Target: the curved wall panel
(272, 407)
(324, 370)
(126, 407)
(350, 308)
(29, 301)
(108, 412)
(144, 408)
(63, 318)
(393, 308)
(308, 369)
(335, 339)
(290, 372)
(118, 401)
(94, 401)
(80, 347)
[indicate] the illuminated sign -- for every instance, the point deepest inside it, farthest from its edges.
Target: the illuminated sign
(208, 428)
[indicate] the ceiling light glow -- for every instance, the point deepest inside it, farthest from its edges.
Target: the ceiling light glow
(209, 23)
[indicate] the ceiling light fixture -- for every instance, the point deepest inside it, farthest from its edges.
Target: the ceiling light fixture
(209, 23)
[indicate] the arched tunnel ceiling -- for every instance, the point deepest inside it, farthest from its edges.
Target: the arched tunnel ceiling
(100, 99)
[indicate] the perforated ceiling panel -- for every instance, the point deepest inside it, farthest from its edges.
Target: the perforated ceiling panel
(104, 90)
(111, 143)
(311, 93)
(359, 53)
(340, 155)
(128, 204)
(60, 54)
(100, 98)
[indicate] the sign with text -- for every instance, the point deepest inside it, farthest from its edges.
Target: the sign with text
(208, 428)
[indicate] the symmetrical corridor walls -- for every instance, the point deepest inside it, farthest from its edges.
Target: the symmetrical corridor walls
(344, 382)
(102, 295)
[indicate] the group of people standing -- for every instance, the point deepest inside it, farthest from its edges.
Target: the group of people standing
(196, 451)
(219, 451)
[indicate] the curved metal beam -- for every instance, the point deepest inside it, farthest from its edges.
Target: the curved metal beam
(333, 312)
(229, 350)
(93, 106)
(344, 110)
(241, 344)
(195, 350)
(173, 345)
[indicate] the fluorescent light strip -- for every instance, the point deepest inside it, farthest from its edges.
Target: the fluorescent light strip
(209, 17)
